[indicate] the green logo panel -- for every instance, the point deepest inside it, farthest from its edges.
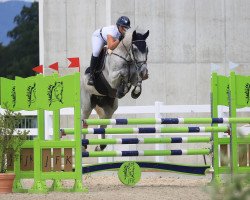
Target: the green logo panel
(223, 90)
(129, 173)
(8, 94)
(242, 87)
(26, 91)
(56, 92)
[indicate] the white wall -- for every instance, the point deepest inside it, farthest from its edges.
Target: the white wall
(185, 37)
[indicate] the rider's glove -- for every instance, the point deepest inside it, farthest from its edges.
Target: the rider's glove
(121, 37)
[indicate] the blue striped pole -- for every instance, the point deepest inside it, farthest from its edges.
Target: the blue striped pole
(146, 153)
(148, 130)
(146, 140)
(165, 121)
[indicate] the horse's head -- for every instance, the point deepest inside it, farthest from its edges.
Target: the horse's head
(128, 63)
(140, 52)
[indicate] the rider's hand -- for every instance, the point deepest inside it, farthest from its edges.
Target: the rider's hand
(110, 51)
(121, 37)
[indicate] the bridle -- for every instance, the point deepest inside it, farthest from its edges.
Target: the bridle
(132, 61)
(137, 63)
(132, 58)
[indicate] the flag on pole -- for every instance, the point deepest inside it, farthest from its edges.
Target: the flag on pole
(233, 65)
(214, 67)
(38, 69)
(74, 62)
(54, 66)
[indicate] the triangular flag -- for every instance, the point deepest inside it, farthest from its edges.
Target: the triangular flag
(214, 67)
(54, 66)
(38, 69)
(74, 62)
(233, 65)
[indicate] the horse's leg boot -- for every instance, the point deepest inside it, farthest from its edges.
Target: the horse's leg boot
(93, 64)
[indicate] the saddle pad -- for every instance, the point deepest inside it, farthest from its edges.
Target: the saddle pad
(101, 84)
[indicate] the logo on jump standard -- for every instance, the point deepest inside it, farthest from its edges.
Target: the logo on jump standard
(13, 96)
(31, 94)
(55, 92)
(247, 91)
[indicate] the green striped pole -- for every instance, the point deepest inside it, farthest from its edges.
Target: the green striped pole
(146, 153)
(148, 141)
(149, 130)
(134, 121)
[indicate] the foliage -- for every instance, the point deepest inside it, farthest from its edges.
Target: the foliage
(22, 54)
(235, 189)
(11, 139)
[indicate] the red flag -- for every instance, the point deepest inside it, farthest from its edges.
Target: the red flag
(74, 62)
(54, 66)
(38, 69)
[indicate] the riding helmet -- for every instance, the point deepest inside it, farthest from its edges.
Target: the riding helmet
(123, 21)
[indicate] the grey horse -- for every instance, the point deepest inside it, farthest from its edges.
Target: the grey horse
(123, 68)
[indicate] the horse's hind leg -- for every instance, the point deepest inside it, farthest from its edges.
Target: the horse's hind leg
(108, 111)
(86, 111)
(85, 115)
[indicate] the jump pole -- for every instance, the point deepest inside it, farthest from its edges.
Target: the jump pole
(146, 153)
(146, 140)
(135, 121)
(148, 130)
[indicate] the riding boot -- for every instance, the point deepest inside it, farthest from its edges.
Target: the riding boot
(93, 64)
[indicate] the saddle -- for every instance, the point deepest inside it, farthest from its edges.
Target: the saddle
(100, 83)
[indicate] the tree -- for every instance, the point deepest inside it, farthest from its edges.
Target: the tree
(22, 54)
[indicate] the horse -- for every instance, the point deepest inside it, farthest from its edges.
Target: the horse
(122, 68)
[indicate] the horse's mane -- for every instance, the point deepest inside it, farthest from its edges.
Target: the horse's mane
(128, 38)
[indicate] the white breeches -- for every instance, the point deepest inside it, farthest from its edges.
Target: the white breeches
(97, 43)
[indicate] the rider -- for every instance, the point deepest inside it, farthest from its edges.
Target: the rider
(110, 36)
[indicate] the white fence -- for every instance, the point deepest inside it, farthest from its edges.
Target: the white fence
(156, 110)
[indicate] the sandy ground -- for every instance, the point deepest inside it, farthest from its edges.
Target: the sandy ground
(106, 186)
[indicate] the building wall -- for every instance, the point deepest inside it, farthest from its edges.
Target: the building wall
(185, 37)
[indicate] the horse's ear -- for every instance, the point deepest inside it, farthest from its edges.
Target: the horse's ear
(134, 35)
(146, 35)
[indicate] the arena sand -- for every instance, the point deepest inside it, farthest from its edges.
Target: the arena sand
(106, 186)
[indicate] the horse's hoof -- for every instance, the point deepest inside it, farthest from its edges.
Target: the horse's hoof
(134, 95)
(100, 148)
(103, 147)
(84, 148)
(97, 148)
(62, 133)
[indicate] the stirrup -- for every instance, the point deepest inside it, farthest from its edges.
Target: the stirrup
(91, 81)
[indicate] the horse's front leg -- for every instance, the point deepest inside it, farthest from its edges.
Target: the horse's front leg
(136, 92)
(122, 89)
(120, 81)
(127, 88)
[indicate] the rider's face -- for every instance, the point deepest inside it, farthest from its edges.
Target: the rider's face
(123, 29)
